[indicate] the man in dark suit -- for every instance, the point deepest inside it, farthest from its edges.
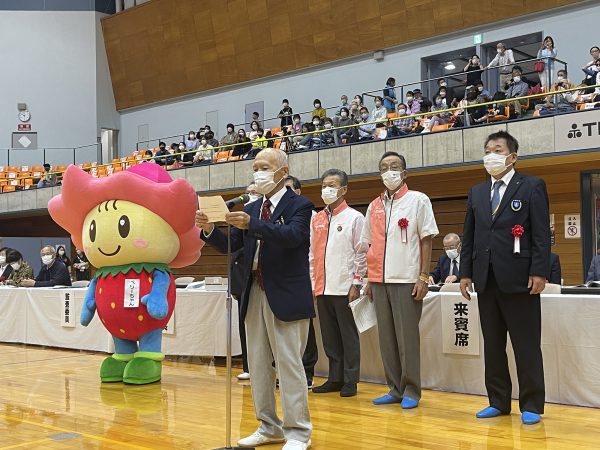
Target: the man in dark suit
(447, 269)
(52, 273)
(594, 270)
(555, 271)
(277, 301)
(508, 279)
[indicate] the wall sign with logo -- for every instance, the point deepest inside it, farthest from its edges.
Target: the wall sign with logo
(572, 226)
(577, 131)
(460, 324)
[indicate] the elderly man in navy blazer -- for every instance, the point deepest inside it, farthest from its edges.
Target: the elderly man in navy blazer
(277, 302)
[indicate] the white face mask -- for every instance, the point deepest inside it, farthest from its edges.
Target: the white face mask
(344, 114)
(392, 179)
(409, 99)
(378, 104)
(329, 195)
(516, 79)
(452, 254)
(480, 88)
(61, 253)
(317, 105)
(2, 259)
(16, 266)
(182, 147)
(47, 259)
(264, 182)
(316, 123)
(438, 102)
(296, 120)
(327, 125)
(253, 198)
(402, 111)
(499, 50)
(364, 116)
(443, 83)
(561, 79)
(494, 163)
(254, 127)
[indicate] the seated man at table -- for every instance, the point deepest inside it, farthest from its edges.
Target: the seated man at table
(594, 270)
(53, 272)
(448, 265)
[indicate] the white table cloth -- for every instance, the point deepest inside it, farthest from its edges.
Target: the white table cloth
(33, 316)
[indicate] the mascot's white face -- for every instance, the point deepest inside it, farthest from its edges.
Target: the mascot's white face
(118, 232)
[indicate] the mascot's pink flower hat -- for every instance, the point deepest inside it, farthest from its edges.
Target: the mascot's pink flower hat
(133, 226)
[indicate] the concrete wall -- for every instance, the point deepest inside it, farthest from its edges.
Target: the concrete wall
(355, 76)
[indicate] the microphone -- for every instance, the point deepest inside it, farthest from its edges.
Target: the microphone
(242, 199)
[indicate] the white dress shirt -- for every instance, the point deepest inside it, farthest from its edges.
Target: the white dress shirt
(506, 179)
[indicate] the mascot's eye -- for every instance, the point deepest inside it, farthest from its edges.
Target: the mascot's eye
(124, 226)
(93, 231)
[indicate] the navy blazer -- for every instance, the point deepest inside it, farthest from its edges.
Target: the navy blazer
(555, 272)
(442, 270)
(285, 241)
(488, 241)
(594, 270)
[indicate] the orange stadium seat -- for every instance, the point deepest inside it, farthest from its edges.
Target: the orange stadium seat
(9, 188)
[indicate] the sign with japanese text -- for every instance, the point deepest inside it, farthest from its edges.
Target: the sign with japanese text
(460, 324)
(68, 317)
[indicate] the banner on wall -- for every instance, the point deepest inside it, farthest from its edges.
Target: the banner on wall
(68, 317)
(460, 324)
(577, 131)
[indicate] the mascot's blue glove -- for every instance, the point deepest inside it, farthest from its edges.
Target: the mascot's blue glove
(88, 308)
(156, 300)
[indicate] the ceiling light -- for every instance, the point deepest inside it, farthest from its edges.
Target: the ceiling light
(450, 66)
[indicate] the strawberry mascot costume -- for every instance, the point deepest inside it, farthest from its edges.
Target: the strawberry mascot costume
(133, 226)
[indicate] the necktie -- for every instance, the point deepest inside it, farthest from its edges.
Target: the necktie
(265, 215)
(455, 268)
(496, 196)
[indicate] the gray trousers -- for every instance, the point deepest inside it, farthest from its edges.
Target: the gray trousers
(270, 339)
(340, 338)
(398, 315)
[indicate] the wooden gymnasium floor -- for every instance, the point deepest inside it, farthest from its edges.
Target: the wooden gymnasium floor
(52, 399)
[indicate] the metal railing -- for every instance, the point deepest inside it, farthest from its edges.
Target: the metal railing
(55, 156)
(424, 85)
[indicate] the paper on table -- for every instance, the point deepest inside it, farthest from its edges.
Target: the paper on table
(363, 311)
(214, 207)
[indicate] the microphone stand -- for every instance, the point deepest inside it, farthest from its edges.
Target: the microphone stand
(228, 305)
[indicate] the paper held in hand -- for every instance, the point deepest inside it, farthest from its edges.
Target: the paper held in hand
(214, 207)
(363, 311)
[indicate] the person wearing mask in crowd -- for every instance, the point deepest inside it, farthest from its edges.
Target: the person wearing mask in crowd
(468, 116)
(53, 272)
(483, 92)
(591, 76)
(304, 141)
(286, 113)
(277, 303)
(447, 268)
(5, 267)
(559, 102)
(546, 53)
(504, 60)
(359, 100)
(349, 133)
(48, 178)
(440, 118)
(412, 105)
(81, 266)
(449, 97)
(270, 140)
(161, 155)
(425, 103)
(260, 143)
(254, 127)
(297, 124)
(148, 157)
(20, 269)
(389, 95)
(244, 146)
(229, 139)
(61, 255)
(366, 130)
(355, 110)
(319, 111)
(508, 285)
(594, 73)
(210, 138)
(186, 157)
(205, 152)
(517, 88)
(399, 228)
(403, 125)
(192, 142)
(473, 69)
(327, 134)
(343, 104)
(255, 118)
(379, 112)
(335, 236)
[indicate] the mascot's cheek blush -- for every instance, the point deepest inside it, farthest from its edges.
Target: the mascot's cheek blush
(141, 243)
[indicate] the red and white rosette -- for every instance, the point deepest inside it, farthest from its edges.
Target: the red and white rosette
(403, 224)
(517, 232)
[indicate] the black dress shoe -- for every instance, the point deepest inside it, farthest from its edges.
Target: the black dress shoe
(328, 386)
(348, 390)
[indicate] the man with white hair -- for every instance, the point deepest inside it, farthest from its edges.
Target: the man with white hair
(448, 266)
(53, 272)
(277, 302)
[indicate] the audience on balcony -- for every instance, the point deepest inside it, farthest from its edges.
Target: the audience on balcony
(473, 69)
(348, 134)
(366, 130)
(593, 74)
(244, 145)
(319, 111)
(516, 88)
(379, 112)
(483, 92)
(559, 102)
(163, 156)
(389, 95)
(546, 52)
(192, 142)
(504, 61)
(412, 105)
(441, 118)
(403, 125)
(254, 127)
(230, 137)
(48, 177)
(286, 113)
(204, 155)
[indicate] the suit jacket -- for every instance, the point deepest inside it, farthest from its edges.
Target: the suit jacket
(285, 241)
(490, 241)
(55, 275)
(594, 270)
(555, 272)
(442, 270)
